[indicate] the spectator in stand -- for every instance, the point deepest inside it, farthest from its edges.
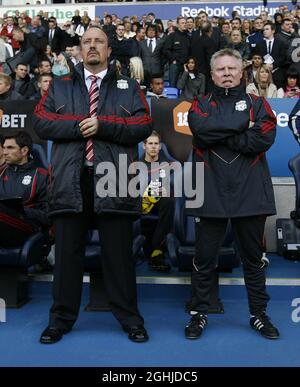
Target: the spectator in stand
(251, 69)
(122, 49)
(202, 19)
(6, 93)
(20, 177)
(264, 16)
(55, 37)
(278, 22)
(7, 30)
(292, 86)
(203, 47)
(5, 53)
(76, 19)
(32, 47)
(43, 83)
(273, 52)
(190, 26)
(26, 18)
(264, 86)
(136, 69)
(37, 28)
(151, 53)
(151, 19)
(68, 35)
(31, 88)
(128, 32)
(236, 24)
(286, 35)
(257, 35)
(108, 27)
(191, 82)
(49, 54)
(140, 34)
(176, 49)
(246, 28)
(20, 78)
(60, 66)
(76, 55)
(156, 87)
(236, 43)
(225, 35)
(294, 121)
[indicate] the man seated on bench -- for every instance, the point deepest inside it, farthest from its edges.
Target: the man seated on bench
(23, 209)
(156, 201)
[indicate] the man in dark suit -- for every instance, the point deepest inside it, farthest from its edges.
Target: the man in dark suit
(153, 20)
(151, 56)
(203, 47)
(273, 52)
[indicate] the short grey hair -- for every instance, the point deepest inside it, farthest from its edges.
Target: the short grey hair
(226, 52)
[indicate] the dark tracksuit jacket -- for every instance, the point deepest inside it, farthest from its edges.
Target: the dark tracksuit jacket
(237, 180)
(29, 182)
(124, 121)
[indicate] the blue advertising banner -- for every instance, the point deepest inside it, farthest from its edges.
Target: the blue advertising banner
(170, 10)
(285, 146)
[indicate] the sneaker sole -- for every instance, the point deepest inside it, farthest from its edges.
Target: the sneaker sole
(192, 338)
(266, 336)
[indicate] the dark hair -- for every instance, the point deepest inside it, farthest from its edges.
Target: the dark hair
(152, 27)
(40, 64)
(196, 70)
(272, 25)
(293, 74)
(22, 139)
(1, 140)
(155, 76)
(41, 76)
(21, 64)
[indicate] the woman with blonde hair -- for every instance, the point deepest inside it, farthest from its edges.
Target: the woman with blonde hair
(60, 66)
(263, 85)
(246, 28)
(136, 69)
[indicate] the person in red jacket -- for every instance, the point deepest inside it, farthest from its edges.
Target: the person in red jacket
(7, 31)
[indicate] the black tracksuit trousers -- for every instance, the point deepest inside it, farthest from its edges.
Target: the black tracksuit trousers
(248, 232)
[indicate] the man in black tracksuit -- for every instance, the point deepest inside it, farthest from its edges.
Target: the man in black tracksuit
(21, 178)
(97, 107)
(231, 133)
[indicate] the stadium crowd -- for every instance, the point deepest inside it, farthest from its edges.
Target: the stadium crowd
(34, 50)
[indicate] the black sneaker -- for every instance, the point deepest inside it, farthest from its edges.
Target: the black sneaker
(263, 325)
(196, 326)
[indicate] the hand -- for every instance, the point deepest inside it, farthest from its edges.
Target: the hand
(185, 68)
(89, 127)
(269, 66)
